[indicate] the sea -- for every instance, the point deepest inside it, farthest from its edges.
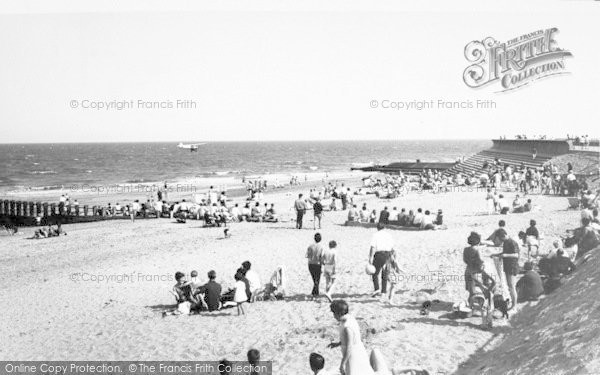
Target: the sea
(53, 166)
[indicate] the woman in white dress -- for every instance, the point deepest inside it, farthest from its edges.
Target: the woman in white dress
(355, 360)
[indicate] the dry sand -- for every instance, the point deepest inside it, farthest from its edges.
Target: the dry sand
(52, 315)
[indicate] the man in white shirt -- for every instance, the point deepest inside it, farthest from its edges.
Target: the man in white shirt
(427, 222)
(418, 218)
(236, 213)
(135, 208)
(381, 246)
(394, 214)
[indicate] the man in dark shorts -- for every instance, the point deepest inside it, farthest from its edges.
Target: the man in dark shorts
(314, 254)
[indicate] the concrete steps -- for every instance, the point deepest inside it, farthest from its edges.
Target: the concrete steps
(474, 164)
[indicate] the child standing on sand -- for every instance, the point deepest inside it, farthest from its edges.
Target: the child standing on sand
(240, 295)
(328, 260)
(393, 274)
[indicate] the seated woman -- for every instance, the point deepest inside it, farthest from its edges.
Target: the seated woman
(255, 213)
(439, 219)
(530, 286)
(184, 296)
(364, 215)
(427, 221)
(271, 215)
(245, 212)
(517, 205)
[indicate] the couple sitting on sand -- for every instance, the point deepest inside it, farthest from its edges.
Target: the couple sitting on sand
(260, 214)
(192, 297)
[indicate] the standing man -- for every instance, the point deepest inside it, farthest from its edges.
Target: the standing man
(314, 254)
(300, 207)
(381, 246)
(344, 198)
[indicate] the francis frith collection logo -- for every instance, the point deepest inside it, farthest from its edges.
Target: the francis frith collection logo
(514, 63)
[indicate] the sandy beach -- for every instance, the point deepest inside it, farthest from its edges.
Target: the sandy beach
(98, 292)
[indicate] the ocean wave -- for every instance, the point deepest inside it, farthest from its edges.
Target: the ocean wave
(42, 172)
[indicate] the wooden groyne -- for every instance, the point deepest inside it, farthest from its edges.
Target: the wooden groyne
(27, 213)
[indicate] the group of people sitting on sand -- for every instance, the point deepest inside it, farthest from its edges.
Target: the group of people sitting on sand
(215, 214)
(194, 296)
(498, 203)
(49, 232)
(423, 220)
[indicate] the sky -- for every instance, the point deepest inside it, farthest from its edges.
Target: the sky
(329, 70)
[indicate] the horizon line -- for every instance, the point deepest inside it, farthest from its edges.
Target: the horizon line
(257, 141)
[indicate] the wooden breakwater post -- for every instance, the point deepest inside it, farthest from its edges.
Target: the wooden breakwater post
(3, 207)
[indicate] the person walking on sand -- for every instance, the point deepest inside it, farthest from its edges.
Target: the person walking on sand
(300, 207)
(381, 246)
(394, 275)
(328, 259)
(314, 254)
(318, 212)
